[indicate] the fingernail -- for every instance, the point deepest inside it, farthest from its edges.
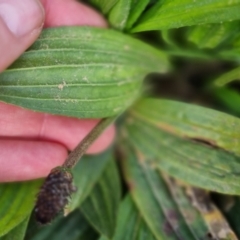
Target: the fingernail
(21, 16)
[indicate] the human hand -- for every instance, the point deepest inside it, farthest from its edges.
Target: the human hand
(33, 143)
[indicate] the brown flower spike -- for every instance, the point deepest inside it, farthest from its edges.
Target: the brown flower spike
(57, 188)
(54, 194)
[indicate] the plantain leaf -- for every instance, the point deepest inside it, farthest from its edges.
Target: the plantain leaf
(137, 7)
(80, 71)
(161, 213)
(17, 233)
(189, 121)
(119, 14)
(153, 200)
(104, 5)
(192, 216)
(101, 206)
(227, 77)
(177, 13)
(184, 158)
(130, 225)
(218, 226)
(17, 201)
(72, 227)
(86, 176)
(200, 213)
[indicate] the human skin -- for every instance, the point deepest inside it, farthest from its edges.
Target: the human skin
(32, 143)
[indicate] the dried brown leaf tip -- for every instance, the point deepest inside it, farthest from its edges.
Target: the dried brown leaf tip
(54, 194)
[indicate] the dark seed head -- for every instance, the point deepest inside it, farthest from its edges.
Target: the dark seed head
(54, 195)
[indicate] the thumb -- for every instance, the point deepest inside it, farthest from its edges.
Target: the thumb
(21, 22)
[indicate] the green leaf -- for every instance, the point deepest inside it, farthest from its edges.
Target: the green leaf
(185, 158)
(152, 199)
(217, 224)
(137, 7)
(130, 225)
(17, 201)
(101, 206)
(161, 213)
(228, 77)
(80, 71)
(17, 233)
(119, 14)
(192, 216)
(212, 35)
(104, 5)
(190, 121)
(72, 227)
(86, 176)
(179, 13)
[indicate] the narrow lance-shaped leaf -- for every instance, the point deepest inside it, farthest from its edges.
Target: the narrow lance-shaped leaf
(151, 196)
(189, 121)
(202, 216)
(192, 216)
(80, 71)
(184, 158)
(179, 13)
(101, 206)
(17, 201)
(152, 199)
(217, 224)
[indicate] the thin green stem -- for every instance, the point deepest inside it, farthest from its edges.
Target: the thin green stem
(81, 148)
